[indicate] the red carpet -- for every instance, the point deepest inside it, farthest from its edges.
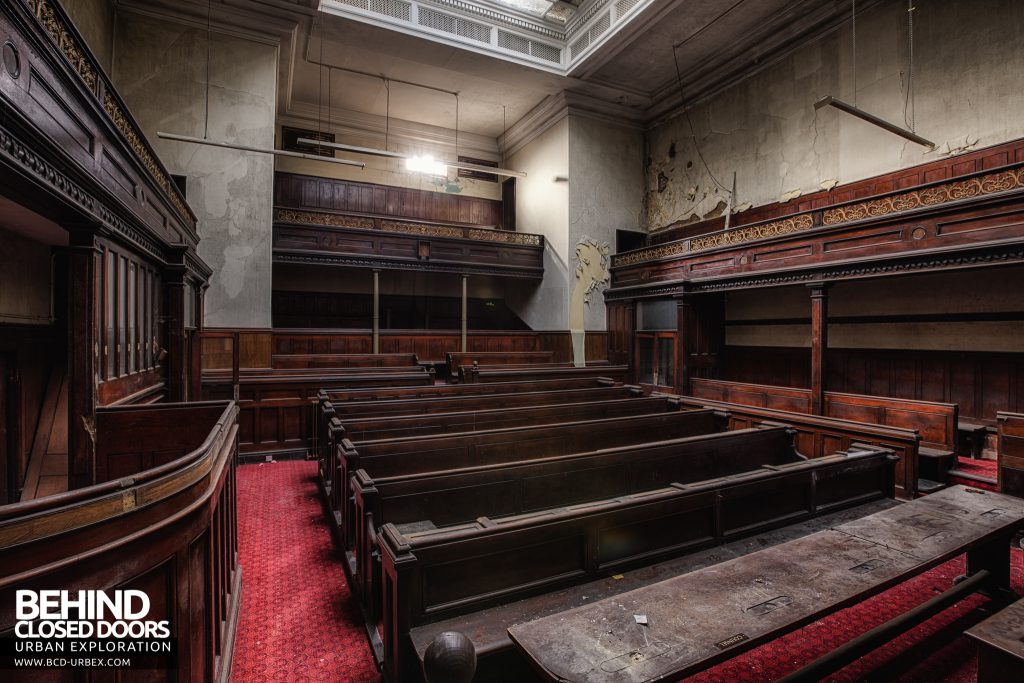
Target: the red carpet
(299, 623)
(981, 468)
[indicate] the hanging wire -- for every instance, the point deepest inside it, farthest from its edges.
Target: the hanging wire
(689, 121)
(209, 31)
(909, 99)
(504, 133)
(456, 126)
(320, 86)
(387, 112)
(854, 2)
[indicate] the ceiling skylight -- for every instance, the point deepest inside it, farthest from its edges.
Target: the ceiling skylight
(558, 11)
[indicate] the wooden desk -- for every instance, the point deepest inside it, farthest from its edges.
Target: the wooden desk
(1000, 641)
(702, 618)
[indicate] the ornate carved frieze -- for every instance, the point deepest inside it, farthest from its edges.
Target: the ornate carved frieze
(979, 186)
(56, 27)
(406, 228)
(785, 226)
(329, 219)
(929, 196)
(670, 249)
(65, 42)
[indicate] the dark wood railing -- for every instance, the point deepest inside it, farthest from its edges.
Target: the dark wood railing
(169, 531)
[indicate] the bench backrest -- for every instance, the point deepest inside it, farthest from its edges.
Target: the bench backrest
(344, 360)
(346, 394)
(457, 359)
(1011, 453)
(819, 436)
(937, 422)
(471, 374)
(434, 423)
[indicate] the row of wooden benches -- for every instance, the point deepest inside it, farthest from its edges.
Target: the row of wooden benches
(472, 518)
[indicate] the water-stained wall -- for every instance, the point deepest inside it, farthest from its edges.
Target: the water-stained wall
(967, 93)
(160, 70)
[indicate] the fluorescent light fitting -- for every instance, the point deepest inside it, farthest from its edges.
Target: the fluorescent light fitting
(830, 101)
(372, 151)
(258, 150)
(426, 164)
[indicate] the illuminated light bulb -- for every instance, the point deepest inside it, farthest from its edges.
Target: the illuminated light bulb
(426, 164)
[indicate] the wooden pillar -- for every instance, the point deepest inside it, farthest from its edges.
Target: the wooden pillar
(178, 360)
(685, 342)
(819, 345)
(376, 311)
(465, 323)
(83, 340)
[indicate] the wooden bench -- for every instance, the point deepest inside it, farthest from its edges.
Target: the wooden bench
(346, 394)
(614, 372)
(1011, 453)
(393, 457)
(819, 436)
(441, 499)
(456, 359)
(1000, 640)
(276, 412)
(430, 575)
(936, 422)
(432, 423)
(971, 437)
(329, 429)
(344, 360)
(468, 374)
(707, 616)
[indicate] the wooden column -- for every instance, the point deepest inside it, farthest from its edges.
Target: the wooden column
(465, 324)
(819, 345)
(685, 342)
(83, 340)
(376, 311)
(178, 359)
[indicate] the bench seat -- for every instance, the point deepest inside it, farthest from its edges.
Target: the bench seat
(1000, 641)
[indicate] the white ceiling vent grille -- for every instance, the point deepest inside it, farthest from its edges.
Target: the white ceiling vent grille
(392, 8)
(546, 52)
(581, 44)
(623, 6)
(602, 24)
(511, 41)
(454, 25)
(361, 4)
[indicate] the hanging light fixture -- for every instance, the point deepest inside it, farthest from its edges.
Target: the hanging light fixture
(854, 110)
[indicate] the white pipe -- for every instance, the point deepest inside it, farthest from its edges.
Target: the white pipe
(398, 155)
(258, 150)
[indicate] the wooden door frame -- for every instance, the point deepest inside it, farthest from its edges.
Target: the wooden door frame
(656, 335)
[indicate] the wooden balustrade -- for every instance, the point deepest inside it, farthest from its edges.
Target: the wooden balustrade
(170, 531)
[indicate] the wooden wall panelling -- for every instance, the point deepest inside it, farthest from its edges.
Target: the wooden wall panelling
(312, 193)
(980, 383)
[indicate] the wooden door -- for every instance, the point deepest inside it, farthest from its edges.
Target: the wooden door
(655, 360)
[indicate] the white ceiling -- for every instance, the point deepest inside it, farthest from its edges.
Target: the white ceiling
(720, 42)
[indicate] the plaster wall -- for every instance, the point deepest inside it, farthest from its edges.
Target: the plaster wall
(94, 19)
(25, 281)
(605, 192)
(968, 61)
(542, 207)
(160, 70)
